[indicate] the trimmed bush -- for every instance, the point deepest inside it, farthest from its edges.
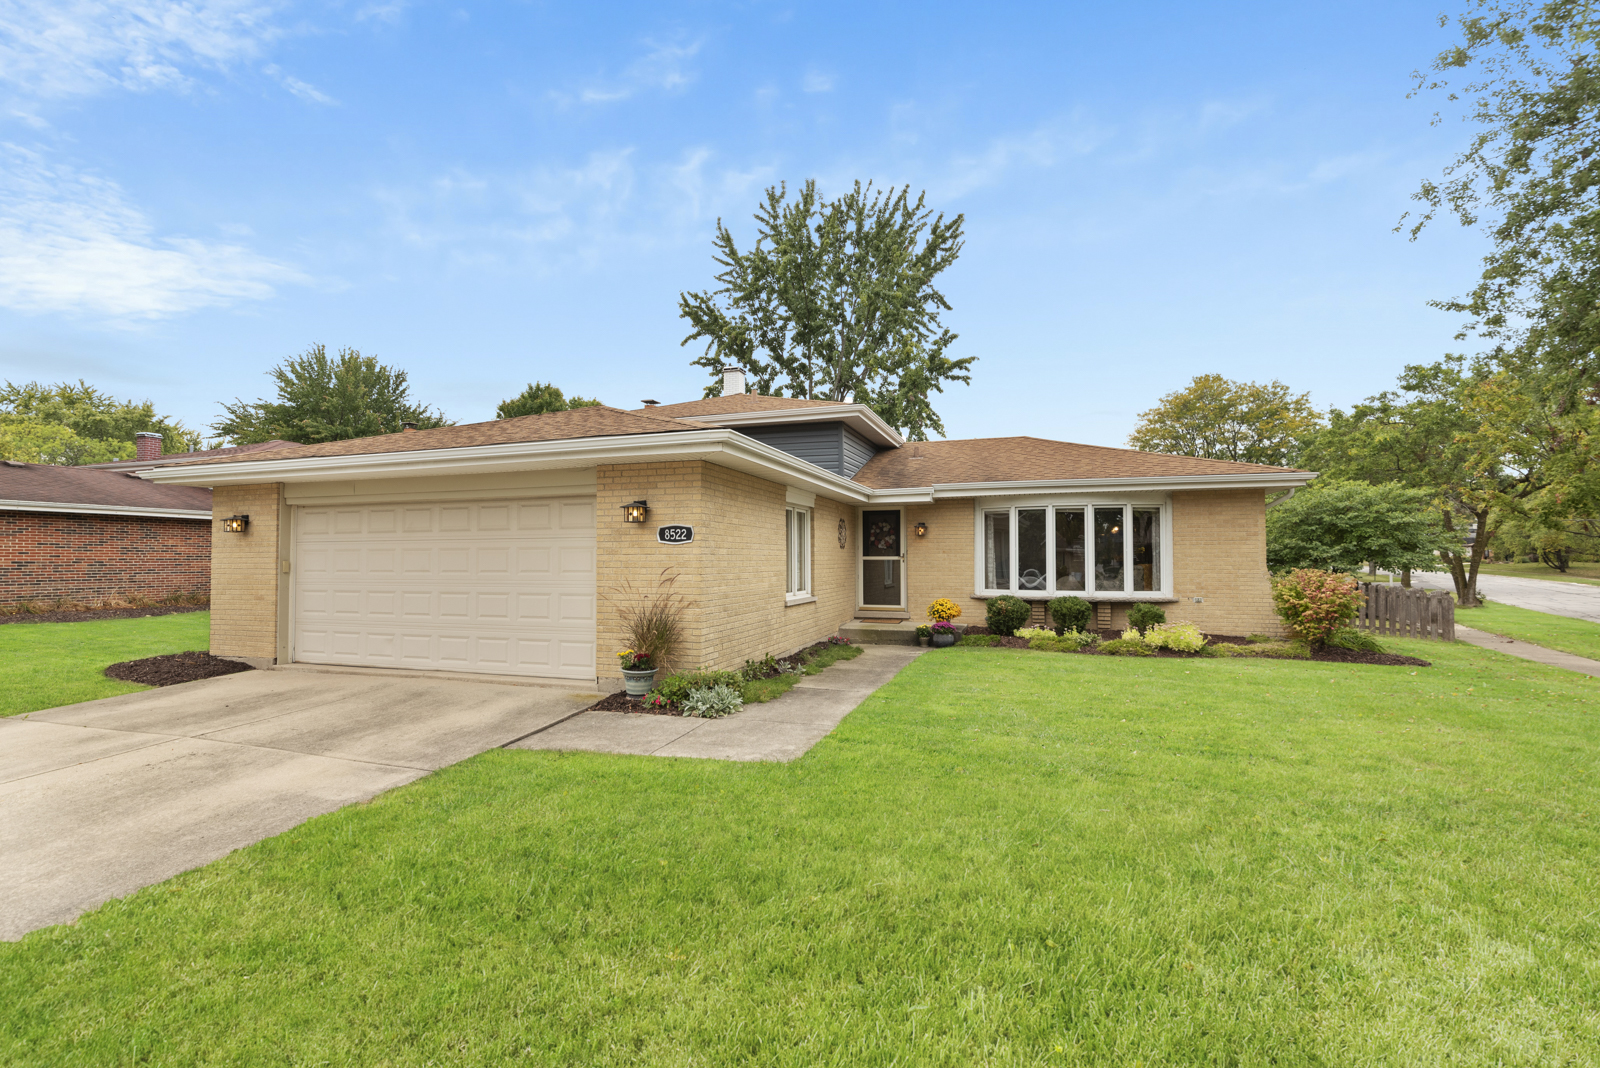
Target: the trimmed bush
(1315, 603)
(1143, 615)
(1355, 640)
(1071, 613)
(712, 703)
(1126, 647)
(1070, 642)
(680, 684)
(1006, 613)
(1179, 637)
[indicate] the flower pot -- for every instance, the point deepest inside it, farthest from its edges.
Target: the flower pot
(943, 641)
(638, 682)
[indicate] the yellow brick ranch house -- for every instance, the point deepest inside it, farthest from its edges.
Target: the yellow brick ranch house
(507, 547)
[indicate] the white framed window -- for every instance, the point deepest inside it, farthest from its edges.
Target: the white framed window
(1113, 550)
(797, 531)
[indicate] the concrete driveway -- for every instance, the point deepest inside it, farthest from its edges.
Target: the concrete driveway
(1574, 599)
(102, 798)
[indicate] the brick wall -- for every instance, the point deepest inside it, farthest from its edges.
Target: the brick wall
(244, 595)
(1219, 554)
(45, 556)
(732, 573)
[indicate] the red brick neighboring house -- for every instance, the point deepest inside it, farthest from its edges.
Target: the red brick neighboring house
(91, 533)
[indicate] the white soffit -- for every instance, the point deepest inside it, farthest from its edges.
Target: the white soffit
(857, 417)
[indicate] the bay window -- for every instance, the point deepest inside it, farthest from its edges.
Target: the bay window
(1047, 550)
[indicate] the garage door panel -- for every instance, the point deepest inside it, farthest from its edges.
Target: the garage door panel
(504, 587)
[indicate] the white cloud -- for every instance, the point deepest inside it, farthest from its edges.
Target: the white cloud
(1037, 149)
(63, 48)
(303, 90)
(664, 67)
(816, 81)
(70, 242)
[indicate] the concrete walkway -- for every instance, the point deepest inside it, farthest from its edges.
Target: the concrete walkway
(102, 798)
(1572, 599)
(1527, 651)
(781, 729)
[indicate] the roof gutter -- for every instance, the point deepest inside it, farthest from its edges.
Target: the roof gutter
(729, 448)
(860, 418)
(945, 490)
(131, 511)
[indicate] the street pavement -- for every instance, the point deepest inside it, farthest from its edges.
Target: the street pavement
(1575, 600)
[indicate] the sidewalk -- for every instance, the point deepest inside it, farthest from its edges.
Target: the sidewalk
(781, 729)
(1527, 651)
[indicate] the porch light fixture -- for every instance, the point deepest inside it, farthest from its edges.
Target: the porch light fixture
(635, 512)
(236, 524)
(921, 529)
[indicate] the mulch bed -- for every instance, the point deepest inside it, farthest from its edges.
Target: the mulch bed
(1327, 654)
(99, 613)
(174, 668)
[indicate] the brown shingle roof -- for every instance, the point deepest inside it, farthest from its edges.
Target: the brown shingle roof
(201, 454)
(734, 404)
(47, 484)
(928, 463)
(595, 422)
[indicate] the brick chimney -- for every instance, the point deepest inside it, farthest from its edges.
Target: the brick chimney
(147, 445)
(732, 380)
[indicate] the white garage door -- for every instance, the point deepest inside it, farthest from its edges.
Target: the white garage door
(505, 587)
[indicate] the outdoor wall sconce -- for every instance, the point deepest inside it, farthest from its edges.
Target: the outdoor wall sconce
(635, 512)
(236, 524)
(921, 529)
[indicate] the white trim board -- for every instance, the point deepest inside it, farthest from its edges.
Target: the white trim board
(130, 511)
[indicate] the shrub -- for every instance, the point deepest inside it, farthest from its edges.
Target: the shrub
(1035, 632)
(1071, 613)
(677, 686)
(1350, 638)
(1143, 615)
(1126, 647)
(1078, 639)
(1256, 639)
(1315, 603)
(1006, 613)
(944, 609)
(712, 703)
(1179, 637)
(1271, 650)
(979, 640)
(764, 668)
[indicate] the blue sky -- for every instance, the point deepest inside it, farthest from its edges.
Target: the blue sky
(486, 195)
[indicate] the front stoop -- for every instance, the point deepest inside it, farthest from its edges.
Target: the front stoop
(879, 633)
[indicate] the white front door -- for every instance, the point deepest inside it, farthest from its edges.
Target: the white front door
(503, 587)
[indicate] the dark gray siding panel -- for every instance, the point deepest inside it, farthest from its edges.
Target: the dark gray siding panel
(818, 443)
(857, 451)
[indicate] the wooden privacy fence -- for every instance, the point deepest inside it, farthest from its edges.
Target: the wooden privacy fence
(1403, 613)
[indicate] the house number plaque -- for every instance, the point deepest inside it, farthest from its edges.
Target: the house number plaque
(675, 534)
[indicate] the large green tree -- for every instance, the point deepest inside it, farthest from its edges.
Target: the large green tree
(1439, 432)
(1220, 419)
(538, 399)
(100, 427)
(1339, 525)
(1528, 75)
(328, 398)
(836, 301)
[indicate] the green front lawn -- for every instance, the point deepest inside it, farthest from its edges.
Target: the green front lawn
(1577, 636)
(1577, 571)
(43, 665)
(1003, 857)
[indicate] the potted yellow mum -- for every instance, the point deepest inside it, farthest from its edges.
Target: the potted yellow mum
(942, 612)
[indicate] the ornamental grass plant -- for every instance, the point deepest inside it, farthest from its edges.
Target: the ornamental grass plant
(652, 620)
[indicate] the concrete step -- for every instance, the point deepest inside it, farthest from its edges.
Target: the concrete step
(879, 633)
